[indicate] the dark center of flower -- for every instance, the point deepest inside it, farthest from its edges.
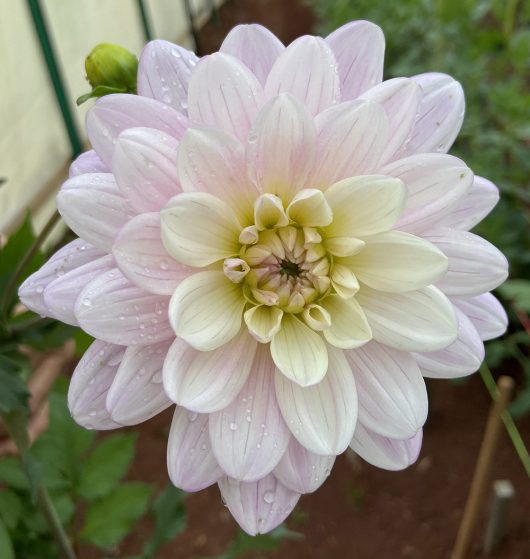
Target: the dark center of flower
(289, 268)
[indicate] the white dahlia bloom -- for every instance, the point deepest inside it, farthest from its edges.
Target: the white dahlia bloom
(276, 241)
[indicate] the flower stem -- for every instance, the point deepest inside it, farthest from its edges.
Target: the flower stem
(16, 425)
(508, 421)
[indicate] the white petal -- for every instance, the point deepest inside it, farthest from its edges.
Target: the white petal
(250, 436)
(475, 265)
(364, 205)
(137, 393)
(208, 381)
(199, 229)
(71, 256)
(61, 294)
(400, 97)
(94, 208)
(349, 327)
(308, 70)
(435, 184)
(90, 384)
(386, 453)
(359, 48)
(225, 94)
(463, 357)
(478, 202)
(321, 417)
(299, 352)
(111, 308)
(391, 391)
(190, 461)
(142, 258)
(255, 46)
(440, 114)
(281, 147)
(114, 113)
(422, 320)
(87, 162)
(395, 261)
(213, 161)
(164, 71)
(258, 506)
(309, 208)
(144, 167)
(301, 470)
(351, 138)
(486, 314)
(263, 322)
(206, 310)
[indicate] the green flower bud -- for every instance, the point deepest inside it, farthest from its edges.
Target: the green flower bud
(112, 66)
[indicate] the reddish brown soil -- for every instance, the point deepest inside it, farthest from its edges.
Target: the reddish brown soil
(361, 511)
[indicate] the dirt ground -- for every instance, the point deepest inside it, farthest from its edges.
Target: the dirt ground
(361, 512)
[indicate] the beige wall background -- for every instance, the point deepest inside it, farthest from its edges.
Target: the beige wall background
(34, 147)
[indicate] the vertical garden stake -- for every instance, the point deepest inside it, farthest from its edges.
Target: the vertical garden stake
(482, 470)
(503, 493)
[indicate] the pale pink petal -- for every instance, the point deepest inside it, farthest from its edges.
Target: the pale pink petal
(144, 167)
(61, 294)
(87, 162)
(113, 309)
(322, 417)
(359, 48)
(142, 258)
(475, 265)
(435, 183)
(190, 461)
(306, 69)
(486, 313)
(213, 161)
(351, 137)
(390, 389)
(250, 436)
(164, 72)
(422, 320)
(258, 506)
(384, 452)
(463, 357)
(90, 384)
(225, 94)
(94, 208)
(478, 202)
(114, 113)
(137, 393)
(281, 147)
(301, 470)
(440, 114)
(208, 381)
(400, 97)
(206, 310)
(71, 256)
(255, 46)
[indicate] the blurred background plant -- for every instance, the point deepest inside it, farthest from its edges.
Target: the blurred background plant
(485, 44)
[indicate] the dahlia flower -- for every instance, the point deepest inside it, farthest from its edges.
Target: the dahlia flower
(275, 240)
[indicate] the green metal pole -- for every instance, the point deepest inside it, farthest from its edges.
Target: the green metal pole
(55, 76)
(145, 20)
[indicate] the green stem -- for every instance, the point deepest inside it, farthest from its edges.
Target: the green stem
(509, 17)
(16, 425)
(508, 421)
(25, 260)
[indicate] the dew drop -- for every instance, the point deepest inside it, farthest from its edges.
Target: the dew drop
(268, 497)
(192, 416)
(233, 426)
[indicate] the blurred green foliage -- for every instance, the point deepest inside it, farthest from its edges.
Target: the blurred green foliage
(485, 44)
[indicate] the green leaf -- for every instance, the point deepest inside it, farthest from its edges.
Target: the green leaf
(106, 465)
(14, 393)
(12, 475)
(110, 519)
(170, 519)
(6, 546)
(517, 290)
(10, 508)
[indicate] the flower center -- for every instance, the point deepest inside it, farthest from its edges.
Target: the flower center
(289, 268)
